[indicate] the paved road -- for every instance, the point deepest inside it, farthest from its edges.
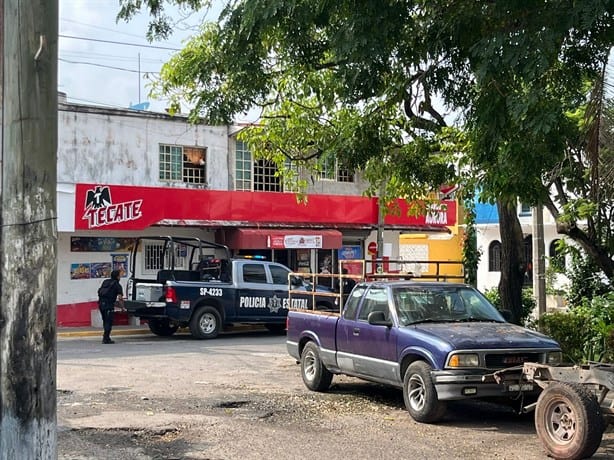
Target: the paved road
(241, 396)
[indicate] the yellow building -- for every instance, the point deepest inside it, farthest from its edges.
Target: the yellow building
(436, 255)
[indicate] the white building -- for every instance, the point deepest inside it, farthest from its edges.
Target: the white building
(489, 244)
(126, 173)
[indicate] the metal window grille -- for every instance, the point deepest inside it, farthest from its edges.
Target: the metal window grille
(152, 253)
(265, 177)
(243, 167)
(494, 257)
(183, 164)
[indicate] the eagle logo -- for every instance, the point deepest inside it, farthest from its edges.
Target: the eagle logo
(100, 197)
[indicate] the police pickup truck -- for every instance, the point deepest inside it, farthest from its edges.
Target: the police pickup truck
(436, 341)
(196, 284)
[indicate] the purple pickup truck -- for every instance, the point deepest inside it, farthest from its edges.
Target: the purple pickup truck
(434, 340)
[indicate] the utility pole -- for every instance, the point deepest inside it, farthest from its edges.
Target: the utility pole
(539, 264)
(28, 94)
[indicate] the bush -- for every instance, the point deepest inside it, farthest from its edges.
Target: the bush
(586, 332)
(528, 302)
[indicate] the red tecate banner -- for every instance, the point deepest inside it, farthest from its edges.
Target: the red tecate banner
(121, 207)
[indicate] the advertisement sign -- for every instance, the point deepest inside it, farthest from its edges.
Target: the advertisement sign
(351, 253)
(294, 241)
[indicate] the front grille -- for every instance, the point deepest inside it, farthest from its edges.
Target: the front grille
(503, 360)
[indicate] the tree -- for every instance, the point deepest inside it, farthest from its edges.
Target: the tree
(369, 82)
(28, 92)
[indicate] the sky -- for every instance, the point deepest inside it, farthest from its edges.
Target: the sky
(107, 63)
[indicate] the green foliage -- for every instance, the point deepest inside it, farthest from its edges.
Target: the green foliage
(585, 332)
(528, 302)
(586, 281)
(359, 80)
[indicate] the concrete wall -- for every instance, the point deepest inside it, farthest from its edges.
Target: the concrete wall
(486, 233)
(122, 147)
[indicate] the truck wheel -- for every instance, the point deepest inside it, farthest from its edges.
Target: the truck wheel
(315, 375)
(205, 323)
(162, 327)
(420, 395)
(568, 421)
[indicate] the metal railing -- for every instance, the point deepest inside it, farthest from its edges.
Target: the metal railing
(370, 270)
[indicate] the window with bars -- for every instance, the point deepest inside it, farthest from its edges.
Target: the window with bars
(153, 253)
(494, 256)
(265, 177)
(183, 164)
(330, 170)
(259, 175)
(243, 167)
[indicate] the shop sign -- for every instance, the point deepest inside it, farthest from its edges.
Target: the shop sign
(294, 241)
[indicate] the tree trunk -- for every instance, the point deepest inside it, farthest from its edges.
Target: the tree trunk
(28, 94)
(513, 265)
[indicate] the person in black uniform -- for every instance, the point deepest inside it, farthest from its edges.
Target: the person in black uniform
(110, 291)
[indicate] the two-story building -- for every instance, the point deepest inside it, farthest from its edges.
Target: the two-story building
(125, 173)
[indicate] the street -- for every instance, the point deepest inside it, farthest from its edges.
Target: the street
(241, 396)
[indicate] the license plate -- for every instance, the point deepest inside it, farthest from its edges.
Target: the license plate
(516, 387)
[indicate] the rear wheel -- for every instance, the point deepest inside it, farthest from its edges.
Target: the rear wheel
(315, 375)
(420, 395)
(162, 327)
(206, 323)
(568, 421)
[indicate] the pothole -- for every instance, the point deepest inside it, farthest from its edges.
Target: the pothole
(232, 404)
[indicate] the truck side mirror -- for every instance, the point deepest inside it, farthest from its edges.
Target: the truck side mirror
(378, 318)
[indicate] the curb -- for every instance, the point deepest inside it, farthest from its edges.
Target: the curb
(98, 332)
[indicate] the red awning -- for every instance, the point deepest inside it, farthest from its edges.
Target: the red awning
(298, 238)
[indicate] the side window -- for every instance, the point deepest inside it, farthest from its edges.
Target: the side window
(254, 273)
(375, 300)
(279, 274)
(352, 303)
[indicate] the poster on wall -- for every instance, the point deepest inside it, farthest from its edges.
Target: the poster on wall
(120, 262)
(351, 253)
(100, 244)
(100, 269)
(79, 271)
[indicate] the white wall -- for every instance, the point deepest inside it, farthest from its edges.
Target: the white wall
(85, 290)
(122, 146)
(486, 233)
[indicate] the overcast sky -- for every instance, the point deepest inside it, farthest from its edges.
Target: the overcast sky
(94, 71)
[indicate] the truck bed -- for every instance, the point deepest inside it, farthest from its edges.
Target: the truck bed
(302, 326)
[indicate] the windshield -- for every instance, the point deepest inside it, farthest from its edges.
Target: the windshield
(416, 304)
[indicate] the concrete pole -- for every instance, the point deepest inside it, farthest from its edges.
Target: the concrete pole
(28, 94)
(539, 264)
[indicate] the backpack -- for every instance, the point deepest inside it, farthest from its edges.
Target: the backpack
(105, 289)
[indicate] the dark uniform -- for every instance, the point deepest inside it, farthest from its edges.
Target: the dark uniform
(106, 303)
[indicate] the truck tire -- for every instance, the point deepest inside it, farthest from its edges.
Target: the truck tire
(206, 323)
(162, 327)
(420, 395)
(315, 375)
(568, 421)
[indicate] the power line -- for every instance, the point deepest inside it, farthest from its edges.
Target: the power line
(119, 43)
(105, 66)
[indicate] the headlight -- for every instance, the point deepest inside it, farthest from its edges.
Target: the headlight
(464, 360)
(555, 357)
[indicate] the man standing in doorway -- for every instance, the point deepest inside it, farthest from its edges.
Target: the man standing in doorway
(109, 292)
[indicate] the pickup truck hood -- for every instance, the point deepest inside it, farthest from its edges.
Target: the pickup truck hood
(485, 335)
